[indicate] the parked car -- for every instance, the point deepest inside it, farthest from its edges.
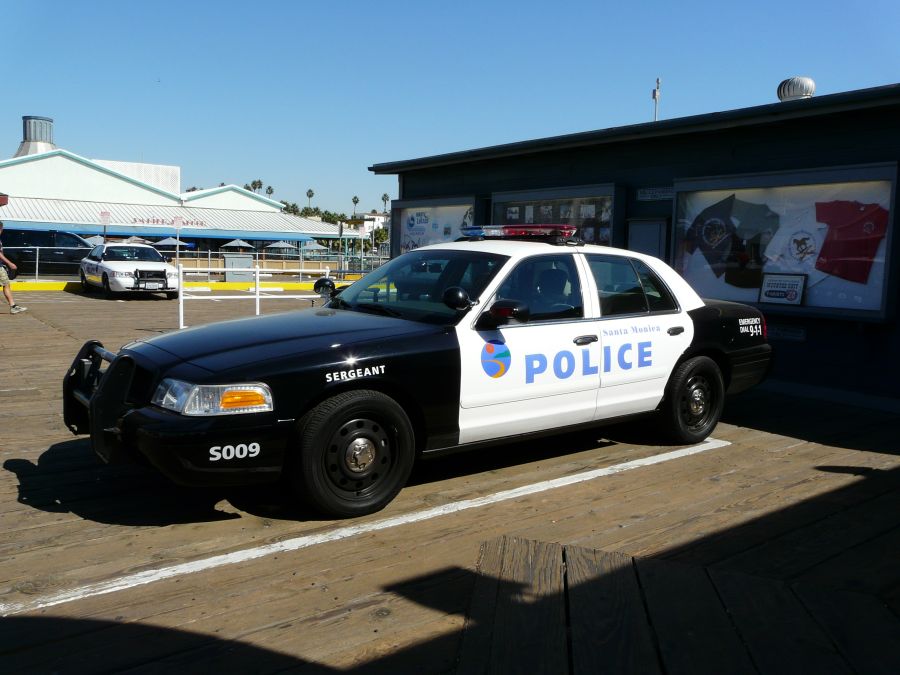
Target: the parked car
(455, 345)
(128, 268)
(49, 252)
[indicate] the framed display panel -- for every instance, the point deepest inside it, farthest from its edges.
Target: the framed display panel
(832, 226)
(588, 207)
(418, 223)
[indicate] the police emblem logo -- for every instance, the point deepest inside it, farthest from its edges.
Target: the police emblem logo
(495, 359)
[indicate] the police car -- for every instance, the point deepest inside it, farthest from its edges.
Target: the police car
(455, 345)
(128, 268)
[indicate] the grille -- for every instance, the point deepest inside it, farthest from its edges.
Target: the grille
(156, 275)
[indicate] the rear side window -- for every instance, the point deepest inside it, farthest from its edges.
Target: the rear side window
(629, 286)
(12, 238)
(658, 296)
(26, 238)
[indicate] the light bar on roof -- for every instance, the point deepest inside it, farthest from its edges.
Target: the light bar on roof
(528, 230)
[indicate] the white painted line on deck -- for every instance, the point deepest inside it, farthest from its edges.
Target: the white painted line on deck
(305, 541)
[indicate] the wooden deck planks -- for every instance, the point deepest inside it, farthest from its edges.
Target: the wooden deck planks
(779, 633)
(864, 630)
(693, 630)
(608, 624)
(779, 477)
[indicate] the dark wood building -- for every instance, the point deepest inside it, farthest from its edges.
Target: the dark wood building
(789, 206)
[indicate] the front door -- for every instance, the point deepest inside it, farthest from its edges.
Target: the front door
(524, 377)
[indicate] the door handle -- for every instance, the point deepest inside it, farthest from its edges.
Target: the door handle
(585, 339)
(675, 330)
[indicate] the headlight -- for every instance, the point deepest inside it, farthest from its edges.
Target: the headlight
(213, 399)
(130, 275)
(171, 275)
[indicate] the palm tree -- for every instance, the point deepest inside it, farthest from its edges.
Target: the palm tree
(355, 201)
(309, 195)
(385, 198)
(269, 191)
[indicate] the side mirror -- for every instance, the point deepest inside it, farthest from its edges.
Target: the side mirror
(457, 298)
(168, 258)
(323, 286)
(502, 312)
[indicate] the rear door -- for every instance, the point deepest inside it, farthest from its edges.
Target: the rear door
(643, 333)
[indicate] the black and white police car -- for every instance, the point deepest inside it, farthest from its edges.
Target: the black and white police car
(128, 268)
(453, 345)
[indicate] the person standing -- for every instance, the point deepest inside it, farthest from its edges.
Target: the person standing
(7, 264)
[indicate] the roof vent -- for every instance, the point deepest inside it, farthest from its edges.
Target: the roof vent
(795, 88)
(37, 136)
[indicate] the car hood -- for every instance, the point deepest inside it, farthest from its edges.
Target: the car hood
(222, 346)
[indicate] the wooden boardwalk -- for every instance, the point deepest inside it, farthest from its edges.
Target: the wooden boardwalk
(790, 527)
(548, 608)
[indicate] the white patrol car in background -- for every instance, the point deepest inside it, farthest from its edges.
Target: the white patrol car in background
(127, 268)
(455, 345)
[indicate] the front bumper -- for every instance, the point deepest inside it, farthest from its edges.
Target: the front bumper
(112, 405)
(134, 284)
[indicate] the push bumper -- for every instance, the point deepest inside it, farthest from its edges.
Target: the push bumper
(109, 402)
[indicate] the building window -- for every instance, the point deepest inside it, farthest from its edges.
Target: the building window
(833, 234)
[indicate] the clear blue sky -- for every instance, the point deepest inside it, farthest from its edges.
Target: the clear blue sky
(309, 94)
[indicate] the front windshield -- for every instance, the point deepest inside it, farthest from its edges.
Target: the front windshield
(132, 253)
(412, 285)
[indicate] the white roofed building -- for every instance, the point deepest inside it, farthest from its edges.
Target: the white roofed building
(54, 189)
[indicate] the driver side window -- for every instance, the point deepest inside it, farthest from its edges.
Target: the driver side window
(548, 284)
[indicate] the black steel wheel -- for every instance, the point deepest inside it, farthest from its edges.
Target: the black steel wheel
(694, 400)
(356, 452)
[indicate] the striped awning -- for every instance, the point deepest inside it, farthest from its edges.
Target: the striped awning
(159, 221)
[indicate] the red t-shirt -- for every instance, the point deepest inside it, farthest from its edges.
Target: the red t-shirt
(854, 232)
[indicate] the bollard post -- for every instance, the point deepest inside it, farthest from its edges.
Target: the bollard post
(256, 275)
(180, 296)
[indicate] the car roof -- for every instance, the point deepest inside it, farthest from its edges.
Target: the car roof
(517, 248)
(127, 244)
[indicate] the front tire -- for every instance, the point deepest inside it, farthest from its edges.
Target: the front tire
(694, 400)
(172, 295)
(107, 291)
(85, 286)
(356, 452)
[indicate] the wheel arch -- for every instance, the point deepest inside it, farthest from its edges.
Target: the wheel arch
(715, 353)
(396, 391)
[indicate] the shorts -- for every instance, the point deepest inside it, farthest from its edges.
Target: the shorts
(4, 277)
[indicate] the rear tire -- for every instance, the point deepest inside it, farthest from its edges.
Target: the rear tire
(356, 452)
(694, 400)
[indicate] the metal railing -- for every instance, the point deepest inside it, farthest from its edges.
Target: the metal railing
(339, 265)
(258, 292)
(50, 258)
